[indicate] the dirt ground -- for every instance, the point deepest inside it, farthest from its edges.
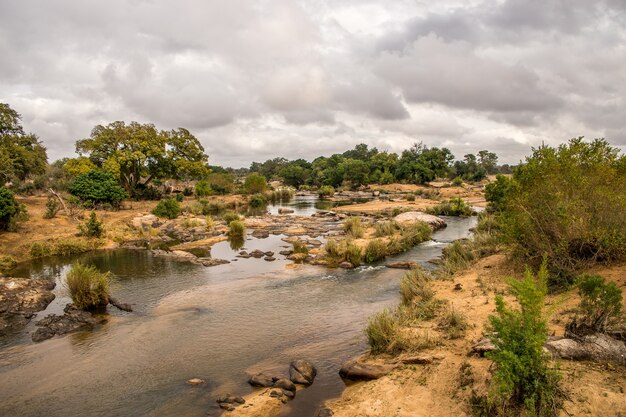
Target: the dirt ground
(444, 388)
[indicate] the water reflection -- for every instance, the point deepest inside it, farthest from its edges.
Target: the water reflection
(236, 242)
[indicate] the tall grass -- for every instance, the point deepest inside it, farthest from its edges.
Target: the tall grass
(230, 216)
(300, 247)
(353, 227)
(383, 333)
(455, 323)
(386, 228)
(88, 287)
(375, 251)
(236, 228)
(452, 207)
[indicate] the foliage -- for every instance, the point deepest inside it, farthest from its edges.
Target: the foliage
(421, 164)
(386, 228)
(221, 183)
(180, 197)
(21, 155)
(75, 167)
(254, 184)
(10, 209)
(135, 151)
(257, 200)
(300, 247)
(353, 227)
(168, 208)
(203, 189)
(69, 247)
(469, 169)
(230, 216)
(600, 304)
(39, 250)
(92, 227)
(295, 173)
(452, 207)
(88, 287)
(353, 254)
(7, 263)
(326, 191)
(98, 187)
(375, 251)
(415, 233)
(236, 228)
(52, 207)
(522, 379)
(383, 332)
(498, 192)
(457, 182)
(568, 203)
(147, 192)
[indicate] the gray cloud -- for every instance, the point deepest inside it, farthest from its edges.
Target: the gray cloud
(299, 78)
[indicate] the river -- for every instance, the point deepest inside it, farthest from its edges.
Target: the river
(219, 324)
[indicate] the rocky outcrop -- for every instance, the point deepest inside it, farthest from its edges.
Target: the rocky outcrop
(229, 402)
(261, 380)
(72, 321)
(595, 347)
(359, 369)
(20, 299)
(302, 372)
(418, 216)
(183, 256)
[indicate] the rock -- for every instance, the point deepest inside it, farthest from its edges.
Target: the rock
(286, 252)
(302, 372)
(227, 406)
(261, 380)
(72, 321)
(285, 384)
(458, 287)
(212, 261)
(376, 193)
(314, 242)
(257, 253)
(283, 210)
(260, 234)
(417, 360)
(402, 265)
(483, 346)
(145, 222)
(269, 253)
(346, 265)
(595, 347)
(269, 258)
(324, 412)
(20, 298)
(289, 394)
(415, 216)
(230, 399)
(358, 370)
(196, 381)
(122, 306)
(276, 393)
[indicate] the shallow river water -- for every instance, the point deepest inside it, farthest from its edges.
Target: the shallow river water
(219, 324)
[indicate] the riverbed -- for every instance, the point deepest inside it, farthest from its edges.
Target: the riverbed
(219, 324)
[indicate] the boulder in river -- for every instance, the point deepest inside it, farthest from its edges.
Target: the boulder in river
(302, 372)
(261, 380)
(283, 210)
(285, 384)
(72, 321)
(346, 265)
(402, 265)
(418, 216)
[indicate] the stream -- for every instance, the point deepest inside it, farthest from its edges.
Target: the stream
(220, 324)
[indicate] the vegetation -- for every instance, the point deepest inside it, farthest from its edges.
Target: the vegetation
(523, 380)
(386, 228)
(96, 188)
(353, 227)
(230, 216)
(7, 263)
(257, 200)
(88, 287)
(39, 250)
(326, 191)
(203, 189)
(92, 227)
(52, 207)
(254, 184)
(236, 228)
(168, 208)
(383, 333)
(300, 247)
(10, 210)
(221, 183)
(600, 305)
(567, 203)
(138, 153)
(452, 207)
(376, 250)
(454, 323)
(353, 254)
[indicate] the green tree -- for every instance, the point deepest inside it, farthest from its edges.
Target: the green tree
(9, 209)
(421, 164)
(488, 161)
(98, 187)
(138, 153)
(21, 155)
(355, 171)
(255, 183)
(295, 174)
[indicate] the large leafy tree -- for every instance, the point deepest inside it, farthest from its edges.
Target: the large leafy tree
(137, 153)
(421, 164)
(21, 154)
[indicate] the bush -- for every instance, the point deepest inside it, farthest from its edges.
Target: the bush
(92, 227)
(353, 227)
(236, 228)
(98, 187)
(180, 197)
(522, 380)
(10, 209)
(353, 254)
(230, 216)
(498, 192)
(71, 247)
(39, 250)
(221, 183)
(168, 208)
(569, 203)
(203, 189)
(410, 197)
(600, 305)
(457, 182)
(326, 191)
(375, 251)
(383, 333)
(146, 192)
(52, 207)
(387, 228)
(187, 192)
(7, 263)
(300, 247)
(332, 248)
(89, 288)
(414, 234)
(453, 207)
(415, 285)
(255, 183)
(258, 200)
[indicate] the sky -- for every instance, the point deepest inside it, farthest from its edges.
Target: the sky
(254, 80)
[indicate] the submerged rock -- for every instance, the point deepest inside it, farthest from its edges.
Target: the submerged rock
(346, 265)
(72, 321)
(302, 372)
(20, 298)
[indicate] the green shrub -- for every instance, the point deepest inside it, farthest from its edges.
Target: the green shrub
(300, 247)
(92, 227)
(353, 227)
(7, 263)
(457, 182)
(326, 191)
(180, 197)
(415, 233)
(353, 254)
(203, 189)
(9, 209)
(98, 187)
(569, 203)
(39, 250)
(522, 379)
(453, 207)
(600, 305)
(383, 333)
(375, 251)
(52, 207)
(386, 228)
(257, 200)
(410, 197)
(146, 192)
(168, 208)
(498, 192)
(332, 248)
(71, 247)
(236, 228)
(255, 183)
(221, 183)
(88, 287)
(230, 216)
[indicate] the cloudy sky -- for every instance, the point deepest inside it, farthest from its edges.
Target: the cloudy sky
(299, 78)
